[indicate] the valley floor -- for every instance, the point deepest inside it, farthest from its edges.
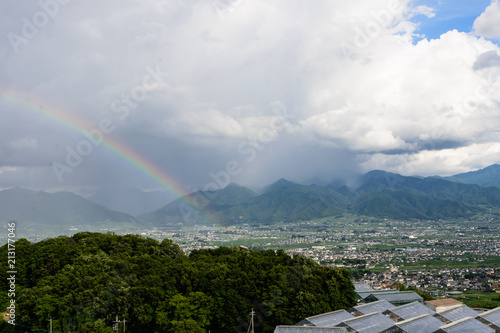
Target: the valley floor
(434, 255)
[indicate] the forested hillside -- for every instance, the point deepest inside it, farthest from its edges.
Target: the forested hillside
(83, 282)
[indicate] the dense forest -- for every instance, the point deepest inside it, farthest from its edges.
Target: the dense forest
(85, 281)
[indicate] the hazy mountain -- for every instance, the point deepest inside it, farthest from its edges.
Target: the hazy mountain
(404, 204)
(236, 204)
(232, 194)
(376, 193)
(489, 176)
(281, 183)
(55, 209)
(199, 207)
(297, 202)
(131, 200)
(377, 180)
(379, 194)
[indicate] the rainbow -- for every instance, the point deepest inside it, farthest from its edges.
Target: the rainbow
(74, 123)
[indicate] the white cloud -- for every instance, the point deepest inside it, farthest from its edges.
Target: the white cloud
(423, 10)
(487, 25)
(407, 93)
(444, 162)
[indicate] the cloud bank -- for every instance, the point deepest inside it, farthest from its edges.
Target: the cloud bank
(284, 88)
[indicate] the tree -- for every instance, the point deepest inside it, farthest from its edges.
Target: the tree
(196, 307)
(186, 326)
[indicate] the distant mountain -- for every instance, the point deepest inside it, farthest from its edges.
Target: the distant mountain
(233, 205)
(406, 204)
(131, 200)
(199, 207)
(232, 194)
(489, 176)
(282, 183)
(376, 181)
(297, 202)
(376, 193)
(54, 209)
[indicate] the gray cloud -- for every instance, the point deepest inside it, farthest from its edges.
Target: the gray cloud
(486, 60)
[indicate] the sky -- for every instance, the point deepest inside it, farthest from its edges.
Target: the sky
(185, 95)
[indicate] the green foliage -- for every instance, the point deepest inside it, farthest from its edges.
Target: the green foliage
(83, 282)
(186, 326)
(98, 326)
(477, 299)
(196, 307)
(399, 286)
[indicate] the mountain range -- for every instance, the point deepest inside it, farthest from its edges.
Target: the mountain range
(376, 194)
(132, 201)
(54, 209)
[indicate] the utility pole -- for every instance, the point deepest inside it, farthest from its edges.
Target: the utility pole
(117, 323)
(251, 327)
(50, 329)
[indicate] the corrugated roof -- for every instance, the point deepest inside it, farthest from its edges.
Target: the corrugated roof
(421, 324)
(309, 329)
(361, 286)
(458, 313)
(329, 319)
(402, 296)
(364, 294)
(491, 317)
(410, 310)
(370, 323)
(466, 325)
(378, 306)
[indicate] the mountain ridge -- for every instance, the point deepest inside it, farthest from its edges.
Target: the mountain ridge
(60, 208)
(129, 200)
(376, 193)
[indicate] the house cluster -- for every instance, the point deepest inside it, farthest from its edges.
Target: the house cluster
(456, 279)
(391, 311)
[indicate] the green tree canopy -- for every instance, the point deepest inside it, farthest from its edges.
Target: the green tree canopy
(84, 281)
